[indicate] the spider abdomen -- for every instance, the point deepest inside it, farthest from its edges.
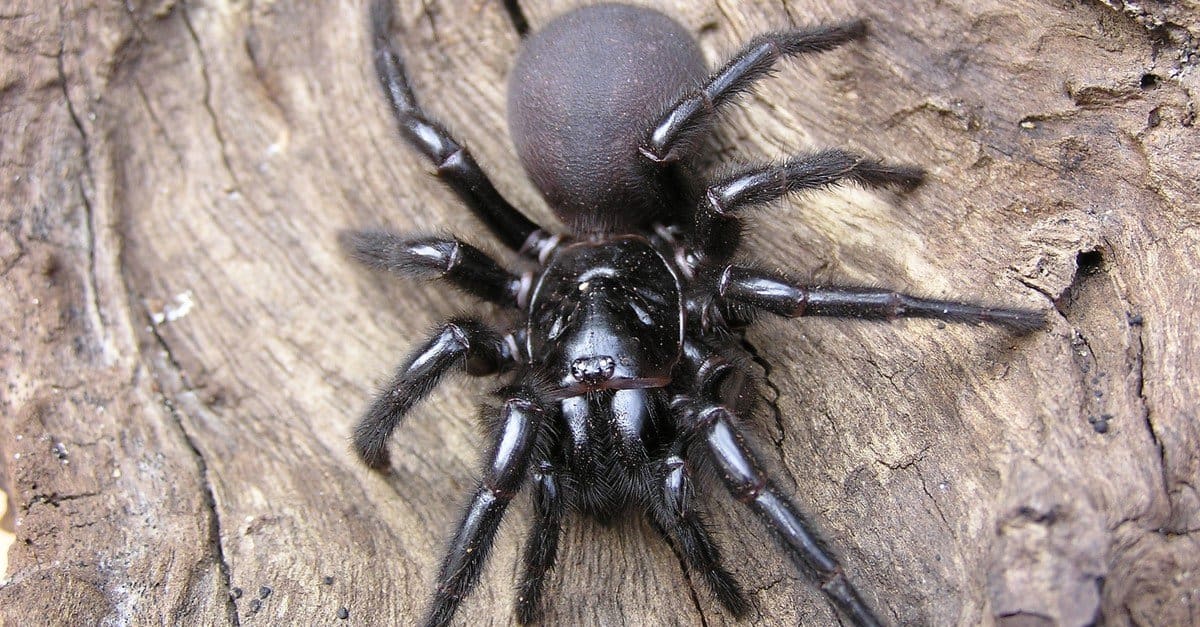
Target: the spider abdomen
(607, 316)
(581, 97)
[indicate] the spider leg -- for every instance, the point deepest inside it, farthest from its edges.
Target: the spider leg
(542, 546)
(463, 344)
(764, 183)
(669, 138)
(714, 427)
(671, 505)
(762, 290)
(454, 163)
(677, 518)
(520, 420)
(463, 265)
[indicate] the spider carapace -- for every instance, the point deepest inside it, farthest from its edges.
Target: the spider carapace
(623, 352)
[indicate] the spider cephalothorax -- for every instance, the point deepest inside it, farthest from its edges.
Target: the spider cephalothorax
(623, 358)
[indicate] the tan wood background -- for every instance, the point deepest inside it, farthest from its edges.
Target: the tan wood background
(184, 347)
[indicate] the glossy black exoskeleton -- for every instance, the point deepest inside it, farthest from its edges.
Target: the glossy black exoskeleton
(623, 358)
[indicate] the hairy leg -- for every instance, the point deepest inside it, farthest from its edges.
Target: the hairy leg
(464, 266)
(716, 431)
(521, 418)
(463, 344)
(542, 546)
(680, 520)
(763, 290)
(693, 113)
(453, 163)
(717, 228)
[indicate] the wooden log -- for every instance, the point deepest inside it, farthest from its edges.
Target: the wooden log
(186, 347)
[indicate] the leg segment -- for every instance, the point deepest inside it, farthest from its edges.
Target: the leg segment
(453, 163)
(716, 229)
(715, 429)
(762, 290)
(520, 420)
(463, 265)
(693, 111)
(678, 519)
(460, 344)
(542, 546)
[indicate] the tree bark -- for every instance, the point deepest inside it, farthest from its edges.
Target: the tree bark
(187, 348)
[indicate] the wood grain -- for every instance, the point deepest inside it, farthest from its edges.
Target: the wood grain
(186, 347)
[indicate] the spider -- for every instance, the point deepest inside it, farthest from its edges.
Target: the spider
(624, 360)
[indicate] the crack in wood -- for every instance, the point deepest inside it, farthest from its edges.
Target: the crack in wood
(185, 13)
(86, 181)
(773, 403)
(154, 119)
(1138, 370)
(210, 497)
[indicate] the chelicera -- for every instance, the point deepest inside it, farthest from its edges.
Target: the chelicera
(623, 350)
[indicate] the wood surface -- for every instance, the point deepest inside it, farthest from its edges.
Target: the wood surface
(185, 348)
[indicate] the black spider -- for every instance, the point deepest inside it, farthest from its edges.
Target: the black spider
(624, 359)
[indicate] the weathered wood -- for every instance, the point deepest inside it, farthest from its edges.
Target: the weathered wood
(186, 348)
